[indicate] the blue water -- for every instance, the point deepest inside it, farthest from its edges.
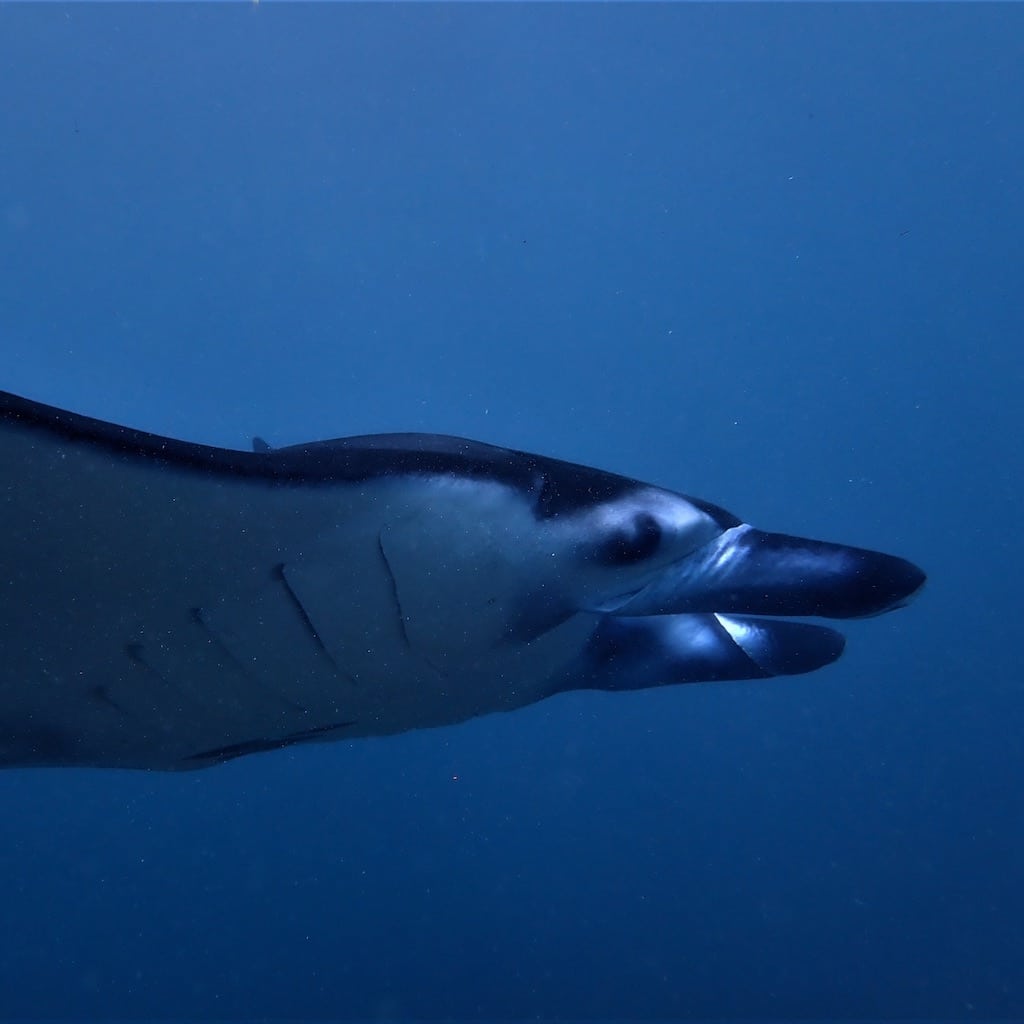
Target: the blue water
(766, 255)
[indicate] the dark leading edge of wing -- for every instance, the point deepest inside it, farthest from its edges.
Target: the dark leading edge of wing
(555, 486)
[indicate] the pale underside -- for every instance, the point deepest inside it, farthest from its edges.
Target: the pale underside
(160, 616)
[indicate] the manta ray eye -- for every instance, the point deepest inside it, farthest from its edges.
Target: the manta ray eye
(632, 542)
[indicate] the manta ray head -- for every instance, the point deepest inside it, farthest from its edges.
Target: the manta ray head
(622, 545)
(639, 550)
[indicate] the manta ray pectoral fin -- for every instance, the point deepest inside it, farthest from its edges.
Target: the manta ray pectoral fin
(754, 572)
(629, 653)
(214, 603)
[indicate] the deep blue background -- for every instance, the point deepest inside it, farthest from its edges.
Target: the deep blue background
(771, 256)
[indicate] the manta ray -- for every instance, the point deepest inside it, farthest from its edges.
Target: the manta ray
(169, 605)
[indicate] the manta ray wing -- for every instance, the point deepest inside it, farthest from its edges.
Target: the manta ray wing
(171, 605)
